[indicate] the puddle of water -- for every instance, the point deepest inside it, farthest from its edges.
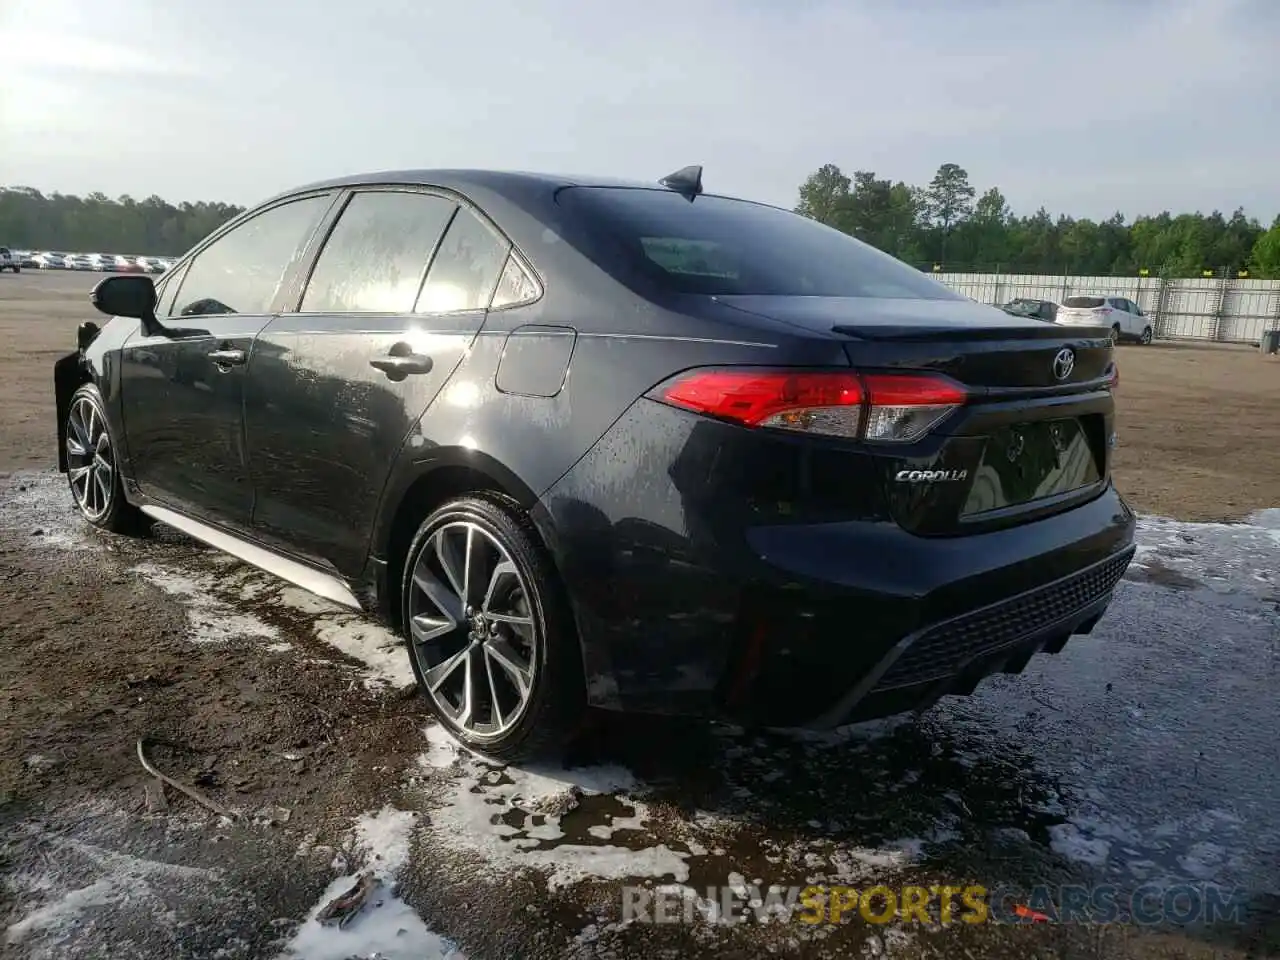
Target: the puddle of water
(386, 927)
(1227, 559)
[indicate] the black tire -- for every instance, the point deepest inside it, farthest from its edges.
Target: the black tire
(119, 515)
(1147, 337)
(1115, 334)
(555, 708)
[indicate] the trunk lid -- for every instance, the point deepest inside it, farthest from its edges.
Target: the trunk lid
(1034, 438)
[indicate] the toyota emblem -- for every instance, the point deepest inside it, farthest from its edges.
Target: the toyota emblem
(1063, 363)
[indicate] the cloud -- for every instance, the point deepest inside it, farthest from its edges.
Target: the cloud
(58, 53)
(1082, 107)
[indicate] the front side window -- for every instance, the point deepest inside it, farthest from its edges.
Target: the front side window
(465, 269)
(375, 256)
(241, 271)
(719, 246)
(167, 292)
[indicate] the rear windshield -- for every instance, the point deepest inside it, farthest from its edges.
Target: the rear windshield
(1085, 303)
(720, 246)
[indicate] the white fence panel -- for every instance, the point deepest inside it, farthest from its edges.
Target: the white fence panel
(1198, 308)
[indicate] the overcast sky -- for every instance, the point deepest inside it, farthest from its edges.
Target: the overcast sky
(1083, 106)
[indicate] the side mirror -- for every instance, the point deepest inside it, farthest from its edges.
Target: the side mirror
(128, 295)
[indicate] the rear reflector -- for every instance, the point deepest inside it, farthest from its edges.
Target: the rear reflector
(894, 407)
(1113, 377)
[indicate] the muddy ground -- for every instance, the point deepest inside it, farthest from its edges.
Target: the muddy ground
(1144, 754)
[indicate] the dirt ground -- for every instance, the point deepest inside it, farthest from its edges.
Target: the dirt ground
(1199, 435)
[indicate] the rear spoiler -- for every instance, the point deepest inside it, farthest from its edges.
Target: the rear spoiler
(1039, 330)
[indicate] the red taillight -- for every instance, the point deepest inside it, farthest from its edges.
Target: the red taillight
(882, 406)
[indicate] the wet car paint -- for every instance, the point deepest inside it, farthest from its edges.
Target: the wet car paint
(306, 448)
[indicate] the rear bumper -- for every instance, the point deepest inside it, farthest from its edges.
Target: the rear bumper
(683, 608)
(952, 656)
(900, 621)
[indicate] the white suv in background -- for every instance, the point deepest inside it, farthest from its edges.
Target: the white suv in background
(1123, 316)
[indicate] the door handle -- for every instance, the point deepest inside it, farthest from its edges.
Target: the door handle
(399, 367)
(227, 358)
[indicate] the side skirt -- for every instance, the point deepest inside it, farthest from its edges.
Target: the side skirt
(308, 578)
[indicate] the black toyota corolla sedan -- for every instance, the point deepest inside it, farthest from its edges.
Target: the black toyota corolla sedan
(590, 443)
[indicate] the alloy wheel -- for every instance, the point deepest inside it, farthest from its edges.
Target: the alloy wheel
(1146, 335)
(471, 629)
(90, 459)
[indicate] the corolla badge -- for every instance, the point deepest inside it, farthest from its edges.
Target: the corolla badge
(1063, 363)
(930, 476)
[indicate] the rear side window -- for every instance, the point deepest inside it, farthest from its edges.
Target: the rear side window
(466, 268)
(376, 254)
(1083, 303)
(515, 286)
(720, 246)
(241, 271)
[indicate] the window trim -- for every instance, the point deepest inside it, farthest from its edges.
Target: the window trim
(287, 278)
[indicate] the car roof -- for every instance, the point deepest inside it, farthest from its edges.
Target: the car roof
(516, 185)
(461, 179)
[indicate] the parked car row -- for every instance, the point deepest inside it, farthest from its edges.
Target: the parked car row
(17, 260)
(1122, 315)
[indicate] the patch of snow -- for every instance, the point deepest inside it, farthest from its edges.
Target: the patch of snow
(65, 912)
(37, 510)
(78, 877)
(304, 601)
(1202, 860)
(385, 927)
(1067, 840)
(381, 651)
(442, 750)
(211, 620)
(512, 817)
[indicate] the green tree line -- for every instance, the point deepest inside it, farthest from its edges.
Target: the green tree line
(945, 224)
(31, 220)
(948, 226)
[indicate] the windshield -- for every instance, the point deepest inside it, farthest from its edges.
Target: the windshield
(1083, 303)
(720, 246)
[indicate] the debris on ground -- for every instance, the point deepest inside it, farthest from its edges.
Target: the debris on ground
(191, 792)
(343, 908)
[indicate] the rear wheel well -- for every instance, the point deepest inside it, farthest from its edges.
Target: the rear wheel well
(424, 495)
